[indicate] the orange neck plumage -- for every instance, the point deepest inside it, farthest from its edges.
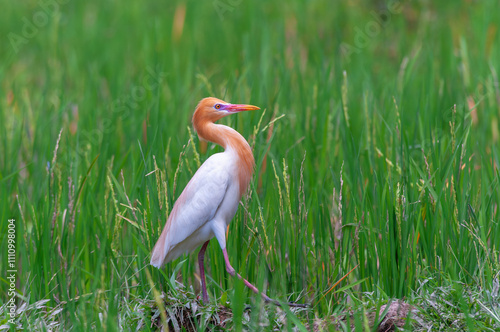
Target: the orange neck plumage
(229, 139)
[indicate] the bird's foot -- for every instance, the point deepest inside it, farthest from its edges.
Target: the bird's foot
(277, 303)
(297, 305)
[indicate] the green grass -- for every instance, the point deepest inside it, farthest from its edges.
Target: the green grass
(377, 154)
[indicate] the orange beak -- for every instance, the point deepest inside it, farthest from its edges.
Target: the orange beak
(235, 108)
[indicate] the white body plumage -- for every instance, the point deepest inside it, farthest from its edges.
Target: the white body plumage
(203, 210)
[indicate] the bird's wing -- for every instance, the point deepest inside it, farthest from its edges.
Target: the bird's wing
(197, 205)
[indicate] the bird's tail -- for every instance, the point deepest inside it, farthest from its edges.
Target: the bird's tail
(159, 252)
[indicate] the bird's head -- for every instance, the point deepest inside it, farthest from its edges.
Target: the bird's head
(213, 109)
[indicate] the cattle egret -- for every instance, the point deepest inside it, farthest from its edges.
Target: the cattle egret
(210, 200)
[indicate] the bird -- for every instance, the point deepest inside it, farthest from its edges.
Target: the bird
(210, 200)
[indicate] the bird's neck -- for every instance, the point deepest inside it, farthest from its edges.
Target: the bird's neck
(232, 142)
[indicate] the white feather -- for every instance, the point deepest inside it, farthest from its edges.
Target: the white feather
(204, 209)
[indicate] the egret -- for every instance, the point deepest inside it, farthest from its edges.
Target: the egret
(210, 200)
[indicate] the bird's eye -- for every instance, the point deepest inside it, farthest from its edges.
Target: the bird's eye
(217, 106)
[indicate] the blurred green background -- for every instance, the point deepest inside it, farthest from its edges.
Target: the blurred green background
(376, 148)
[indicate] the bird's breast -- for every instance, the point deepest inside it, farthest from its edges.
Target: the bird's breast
(227, 164)
(229, 205)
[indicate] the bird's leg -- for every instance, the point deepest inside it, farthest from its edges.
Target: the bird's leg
(201, 256)
(266, 298)
(232, 272)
